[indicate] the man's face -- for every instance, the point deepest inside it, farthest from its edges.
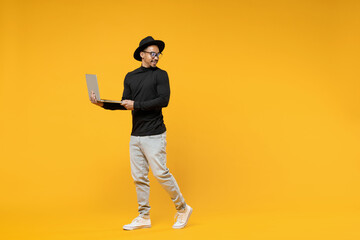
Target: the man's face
(147, 60)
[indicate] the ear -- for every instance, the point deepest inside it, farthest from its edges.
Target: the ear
(142, 54)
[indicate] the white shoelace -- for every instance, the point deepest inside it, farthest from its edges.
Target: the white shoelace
(137, 219)
(180, 217)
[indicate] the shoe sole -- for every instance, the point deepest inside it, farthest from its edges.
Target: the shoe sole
(186, 220)
(138, 227)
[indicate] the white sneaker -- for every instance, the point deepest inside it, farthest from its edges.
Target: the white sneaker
(182, 217)
(137, 223)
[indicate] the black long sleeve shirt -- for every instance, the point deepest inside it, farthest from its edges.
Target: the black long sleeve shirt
(150, 90)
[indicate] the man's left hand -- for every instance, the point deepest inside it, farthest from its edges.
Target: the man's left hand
(128, 104)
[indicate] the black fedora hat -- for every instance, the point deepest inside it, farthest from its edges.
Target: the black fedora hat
(147, 42)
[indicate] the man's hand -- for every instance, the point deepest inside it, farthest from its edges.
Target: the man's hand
(128, 104)
(93, 99)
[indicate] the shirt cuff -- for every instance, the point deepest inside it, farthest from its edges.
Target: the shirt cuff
(136, 105)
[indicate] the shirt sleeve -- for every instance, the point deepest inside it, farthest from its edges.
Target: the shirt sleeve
(113, 106)
(126, 95)
(163, 91)
(127, 91)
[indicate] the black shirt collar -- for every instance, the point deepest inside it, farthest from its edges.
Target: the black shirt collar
(147, 69)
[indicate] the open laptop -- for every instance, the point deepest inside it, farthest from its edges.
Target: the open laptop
(92, 85)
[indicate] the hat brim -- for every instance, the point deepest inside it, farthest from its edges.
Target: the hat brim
(158, 43)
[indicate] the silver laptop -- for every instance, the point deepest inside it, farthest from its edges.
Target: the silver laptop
(92, 85)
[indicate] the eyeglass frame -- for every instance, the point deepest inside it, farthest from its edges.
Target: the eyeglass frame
(157, 54)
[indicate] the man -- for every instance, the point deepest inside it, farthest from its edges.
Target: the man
(146, 92)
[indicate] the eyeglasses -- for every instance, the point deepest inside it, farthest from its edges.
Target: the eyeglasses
(154, 54)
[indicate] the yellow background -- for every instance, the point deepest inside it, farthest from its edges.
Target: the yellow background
(263, 120)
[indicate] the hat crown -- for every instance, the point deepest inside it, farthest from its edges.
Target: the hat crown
(146, 40)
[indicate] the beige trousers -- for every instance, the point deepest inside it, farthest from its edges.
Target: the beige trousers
(150, 151)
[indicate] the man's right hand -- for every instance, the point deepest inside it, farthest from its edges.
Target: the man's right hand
(94, 101)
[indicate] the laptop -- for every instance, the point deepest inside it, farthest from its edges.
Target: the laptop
(92, 85)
